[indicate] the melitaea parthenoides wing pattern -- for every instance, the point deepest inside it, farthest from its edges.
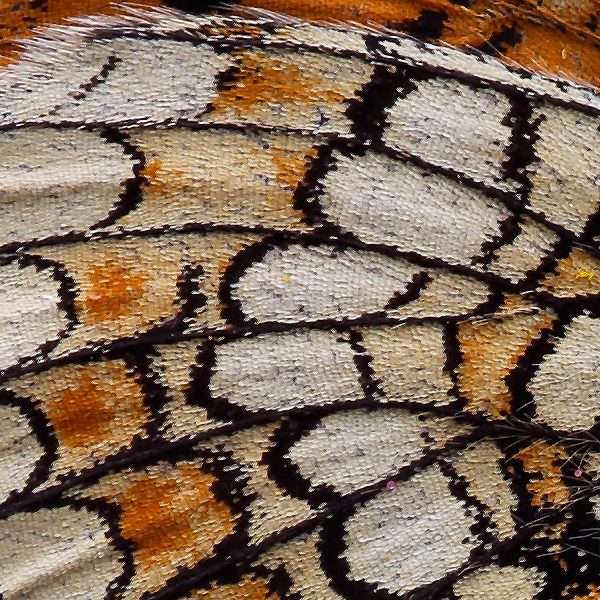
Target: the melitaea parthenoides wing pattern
(293, 311)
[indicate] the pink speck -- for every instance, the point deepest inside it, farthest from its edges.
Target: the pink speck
(578, 472)
(390, 485)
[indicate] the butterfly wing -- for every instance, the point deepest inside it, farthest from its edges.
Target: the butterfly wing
(294, 312)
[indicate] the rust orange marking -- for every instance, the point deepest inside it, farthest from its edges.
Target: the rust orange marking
(98, 404)
(160, 180)
(83, 413)
(292, 166)
(114, 290)
(248, 589)
(265, 78)
(151, 170)
(174, 517)
(546, 461)
(490, 351)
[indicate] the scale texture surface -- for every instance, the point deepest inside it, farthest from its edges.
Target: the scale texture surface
(295, 312)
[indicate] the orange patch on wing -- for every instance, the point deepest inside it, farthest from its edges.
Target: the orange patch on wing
(220, 176)
(545, 460)
(160, 180)
(101, 406)
(150, 172)
(266, 78)
(82, 413)
(296, 91)
(490, 351)
(94, 409)
(292, 166)
(115, 290)
(576, 275)
(173, 518)
(248, 589)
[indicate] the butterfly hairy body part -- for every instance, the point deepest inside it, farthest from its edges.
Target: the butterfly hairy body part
(294, 311)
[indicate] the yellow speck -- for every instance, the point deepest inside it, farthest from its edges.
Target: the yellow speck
(583, 274)
(286, 277)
